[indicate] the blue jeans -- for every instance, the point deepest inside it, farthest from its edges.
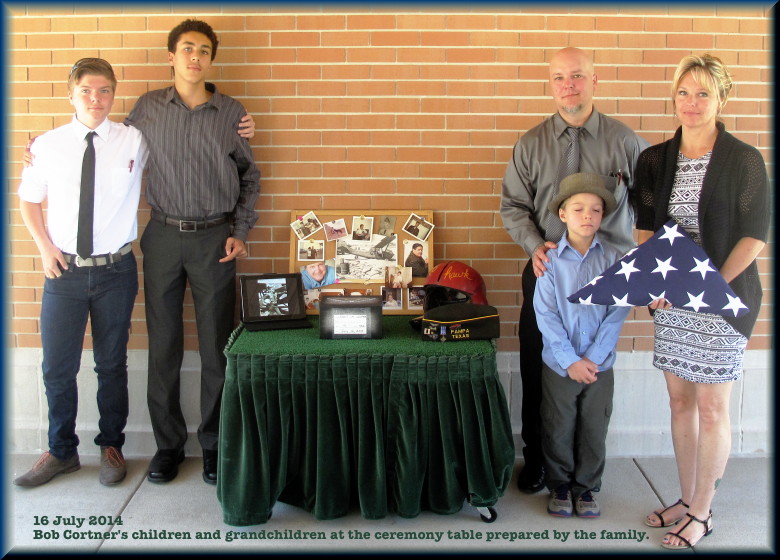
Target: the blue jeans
(106, 295)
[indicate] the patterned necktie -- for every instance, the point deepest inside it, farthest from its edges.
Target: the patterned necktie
(86, 201)
(570, 163)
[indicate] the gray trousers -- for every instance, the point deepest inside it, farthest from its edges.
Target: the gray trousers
(171, 260)
(575, 418)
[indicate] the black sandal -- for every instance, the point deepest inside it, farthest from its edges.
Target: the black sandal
(661, 517)
(688, 544)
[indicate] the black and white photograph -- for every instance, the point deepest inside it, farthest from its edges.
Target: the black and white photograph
(365, 261)
(386, 225)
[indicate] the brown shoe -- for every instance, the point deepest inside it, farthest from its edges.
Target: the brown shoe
(112, 465)
(46, 468)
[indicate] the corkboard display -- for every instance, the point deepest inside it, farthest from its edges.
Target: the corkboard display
(344, 252)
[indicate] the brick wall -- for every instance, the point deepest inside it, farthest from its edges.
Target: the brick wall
(390, 108)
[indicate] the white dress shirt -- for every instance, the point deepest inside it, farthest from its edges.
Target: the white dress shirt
(120, 156)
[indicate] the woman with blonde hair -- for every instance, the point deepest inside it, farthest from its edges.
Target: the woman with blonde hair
(716, 188)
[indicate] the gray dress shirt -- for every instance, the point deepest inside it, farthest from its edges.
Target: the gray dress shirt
(607, 147)
(198, 165)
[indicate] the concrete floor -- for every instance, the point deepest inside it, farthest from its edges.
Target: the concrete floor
(632, 487)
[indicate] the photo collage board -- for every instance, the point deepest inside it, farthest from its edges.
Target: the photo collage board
(346, 252)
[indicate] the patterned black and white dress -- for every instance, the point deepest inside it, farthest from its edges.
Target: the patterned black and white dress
(695, 346)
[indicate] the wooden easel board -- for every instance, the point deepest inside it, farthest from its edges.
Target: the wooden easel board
(364, 252)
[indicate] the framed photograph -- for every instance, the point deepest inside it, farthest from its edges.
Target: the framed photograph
(311, 250)
(416, 257)
(272, 301)
(418, 227)
(386, 225)
(335, 229)
(362, 226)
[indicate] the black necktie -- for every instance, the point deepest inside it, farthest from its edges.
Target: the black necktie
(86, 201)
(570, 163)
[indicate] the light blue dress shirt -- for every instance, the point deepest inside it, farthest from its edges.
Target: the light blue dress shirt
(571, 331)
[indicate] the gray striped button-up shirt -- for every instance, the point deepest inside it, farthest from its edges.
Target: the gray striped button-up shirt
(607, 147)
(198, 164)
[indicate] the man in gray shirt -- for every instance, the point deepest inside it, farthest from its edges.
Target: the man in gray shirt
(202, 186)
(607, 147)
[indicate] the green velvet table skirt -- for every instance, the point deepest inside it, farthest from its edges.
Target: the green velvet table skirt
(397, 425)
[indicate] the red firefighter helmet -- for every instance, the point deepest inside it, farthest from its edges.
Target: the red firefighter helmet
(453, 282)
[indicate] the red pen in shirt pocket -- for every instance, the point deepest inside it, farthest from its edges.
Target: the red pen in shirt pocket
(132, 162)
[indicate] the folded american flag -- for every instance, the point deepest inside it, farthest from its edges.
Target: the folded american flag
(669, 265)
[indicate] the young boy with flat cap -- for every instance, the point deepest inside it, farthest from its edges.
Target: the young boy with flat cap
(579, 350)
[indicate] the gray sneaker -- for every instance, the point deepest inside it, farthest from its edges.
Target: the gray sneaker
(559, 504)
(46, 468)
(587, 506)
(112, 465)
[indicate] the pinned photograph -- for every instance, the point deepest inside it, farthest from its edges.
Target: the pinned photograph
(335, 229)
(358, 291)
(311, 250)
(416, 257)
(365, 261)
(306, 225)
(391, 298)
(362, 226)
(416, 297)
(418, 227)
(318, 274)
(386, 225)
(398, 277)
(312, 298)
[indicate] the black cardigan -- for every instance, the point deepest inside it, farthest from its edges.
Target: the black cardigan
(734, 204)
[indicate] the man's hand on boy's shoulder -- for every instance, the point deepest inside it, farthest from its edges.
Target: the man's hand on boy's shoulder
(27, 158)
(540, 257)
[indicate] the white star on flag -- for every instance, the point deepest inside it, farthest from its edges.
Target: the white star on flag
(662, 295)
(663, 265)
(734, 304)
(671, 233)
(596, 279)
(627, 268)
(696, 302)
(702, 266)
(621, 302)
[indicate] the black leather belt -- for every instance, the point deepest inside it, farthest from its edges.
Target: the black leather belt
(190, 225)
(99, 260)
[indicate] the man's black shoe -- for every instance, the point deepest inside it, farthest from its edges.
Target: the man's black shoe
(531, 478)
(165, 465)
(210, 466)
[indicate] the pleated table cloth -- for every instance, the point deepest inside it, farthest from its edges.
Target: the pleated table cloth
(392, 425)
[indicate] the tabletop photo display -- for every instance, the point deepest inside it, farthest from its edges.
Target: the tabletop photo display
(387, 253)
